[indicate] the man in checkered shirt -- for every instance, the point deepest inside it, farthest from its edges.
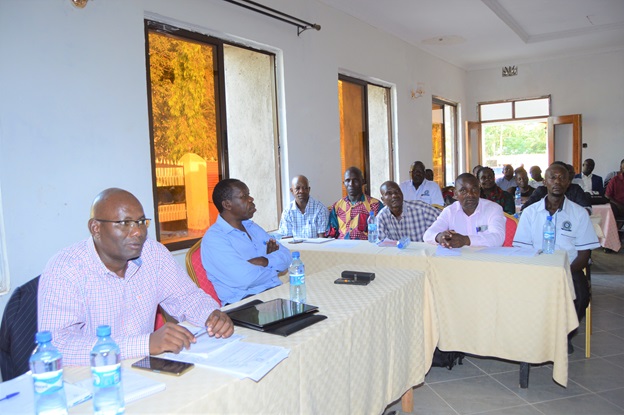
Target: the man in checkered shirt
(403, 218)
(118, 277)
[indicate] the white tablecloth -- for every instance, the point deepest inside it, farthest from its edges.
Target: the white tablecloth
(376, 344)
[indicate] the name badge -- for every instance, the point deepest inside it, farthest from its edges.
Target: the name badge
(482, 228)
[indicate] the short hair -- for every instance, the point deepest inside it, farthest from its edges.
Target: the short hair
(419, 163)
(355, 170)
(468, 176)
(482, 169)
(520, 170)
(224, 190)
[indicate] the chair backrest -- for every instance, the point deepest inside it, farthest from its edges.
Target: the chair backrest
(511, 224)
(439, 207)
(17, 331)
(196, 271)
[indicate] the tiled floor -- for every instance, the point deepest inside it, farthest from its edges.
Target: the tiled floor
(489, 386)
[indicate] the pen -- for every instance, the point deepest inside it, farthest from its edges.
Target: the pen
(9, 396)
(201, 333)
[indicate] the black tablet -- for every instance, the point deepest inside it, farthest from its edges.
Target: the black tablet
(264, 315)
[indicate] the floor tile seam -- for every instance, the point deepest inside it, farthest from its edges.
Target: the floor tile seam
(612, 403)
(444, 400)
(454, 380)
(511, 390)
(507, 407)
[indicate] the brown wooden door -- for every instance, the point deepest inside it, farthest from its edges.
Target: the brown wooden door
(568, 142)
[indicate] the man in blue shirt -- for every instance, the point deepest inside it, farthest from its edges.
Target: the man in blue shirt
(240, 258)
(305, 217)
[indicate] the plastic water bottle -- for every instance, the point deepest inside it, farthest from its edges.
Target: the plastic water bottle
(106, 370)
(373, 235)
(46, 364)
(548, 243)
(297, 279)
(403, 242)
(518, 197)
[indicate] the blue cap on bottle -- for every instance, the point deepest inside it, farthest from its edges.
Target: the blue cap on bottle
(43, 337)
(103, 331)
(295, 254)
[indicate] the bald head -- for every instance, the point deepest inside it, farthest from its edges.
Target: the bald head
(300, 189)
(119, 228)
(111, 198)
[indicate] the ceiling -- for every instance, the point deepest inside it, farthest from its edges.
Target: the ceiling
(477, 34)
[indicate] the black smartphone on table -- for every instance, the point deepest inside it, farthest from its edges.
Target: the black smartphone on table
(160, 365)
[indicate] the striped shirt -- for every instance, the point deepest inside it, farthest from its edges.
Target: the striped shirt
(304, 225)
(416, 218)
(77, 293)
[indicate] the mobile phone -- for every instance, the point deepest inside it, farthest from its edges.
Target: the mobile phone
(160, 365)
(349, 281)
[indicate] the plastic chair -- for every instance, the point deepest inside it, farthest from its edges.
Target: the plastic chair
(17, 332)
(196, 271)
(511, 224)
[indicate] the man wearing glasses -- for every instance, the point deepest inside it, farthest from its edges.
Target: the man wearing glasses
(305, 217)
(119, 277)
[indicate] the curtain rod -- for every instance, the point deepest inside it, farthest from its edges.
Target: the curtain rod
(302, 25)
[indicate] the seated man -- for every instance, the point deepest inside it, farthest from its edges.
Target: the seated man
(574, 231)
(615, 193)
(508, 180)
(574, 193)
(522, 180)
(240, 258)
(348, 216)
(592, 183)
(473, 221)
(419, 188)
(403, 218)
(536, 177)
(305, 217)
(119, 277)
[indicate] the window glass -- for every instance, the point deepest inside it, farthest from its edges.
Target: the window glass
(533, 108)
(498, 111)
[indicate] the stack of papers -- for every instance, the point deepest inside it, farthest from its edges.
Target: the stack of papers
(24, 401)
(241, 359)
(135, 386)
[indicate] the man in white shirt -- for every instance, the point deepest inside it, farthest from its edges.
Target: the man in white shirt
(591, 183)
(471, 221)
(574, 231)
(536, 177)
(508, 180)
(419, 188)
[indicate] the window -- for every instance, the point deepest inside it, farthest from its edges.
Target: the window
(213, 116)
(365, 130)
(514, 132)
(444, 141)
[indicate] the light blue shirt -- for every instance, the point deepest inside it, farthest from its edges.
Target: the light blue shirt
(307, 225)
(428, 192)
(225, 251)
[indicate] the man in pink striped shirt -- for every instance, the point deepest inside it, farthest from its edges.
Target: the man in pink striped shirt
(118, 277)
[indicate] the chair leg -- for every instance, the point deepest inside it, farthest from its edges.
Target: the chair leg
(588, 331)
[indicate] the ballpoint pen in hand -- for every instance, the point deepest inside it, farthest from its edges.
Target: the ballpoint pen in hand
(201, 333)
(9, 396)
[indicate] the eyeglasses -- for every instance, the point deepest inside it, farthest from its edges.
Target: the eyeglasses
(127, 224)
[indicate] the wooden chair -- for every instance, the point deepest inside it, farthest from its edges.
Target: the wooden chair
(511, 224)
(439, 207)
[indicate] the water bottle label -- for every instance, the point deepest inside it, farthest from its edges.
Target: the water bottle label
(297, 279)
(549, 235)
(372, 227)
(105, 376)
(48, 383)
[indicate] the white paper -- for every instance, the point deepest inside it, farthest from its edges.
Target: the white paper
(510, 251)
(442, 251)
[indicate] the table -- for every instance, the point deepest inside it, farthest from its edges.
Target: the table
(376, 343)
(607, 230)
(514, 308)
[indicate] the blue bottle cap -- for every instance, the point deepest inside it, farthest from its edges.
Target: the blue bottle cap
(103, 331)
(43, 337)
(295, 254)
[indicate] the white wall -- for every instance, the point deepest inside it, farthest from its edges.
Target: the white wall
(73, 107)
(589, 85)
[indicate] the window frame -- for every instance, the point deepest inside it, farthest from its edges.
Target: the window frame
(513, 102)
(184, 34)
